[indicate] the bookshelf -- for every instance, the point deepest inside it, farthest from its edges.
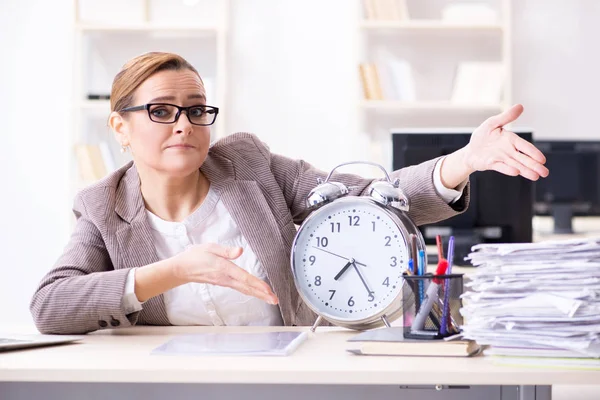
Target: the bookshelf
(387, 106)
(430, 63)
(149, 27)
(427, 25)
(110, 32)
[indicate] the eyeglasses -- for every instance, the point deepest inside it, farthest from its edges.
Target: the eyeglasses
(164, 113)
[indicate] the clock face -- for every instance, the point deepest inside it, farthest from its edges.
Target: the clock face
(348, 259)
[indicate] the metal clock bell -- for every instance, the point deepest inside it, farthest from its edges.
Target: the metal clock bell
(348, 257)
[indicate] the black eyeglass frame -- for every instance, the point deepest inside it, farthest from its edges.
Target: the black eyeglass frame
(208, 109)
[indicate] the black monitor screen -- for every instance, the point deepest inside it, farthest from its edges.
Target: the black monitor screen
(501, 207)
(573, 186)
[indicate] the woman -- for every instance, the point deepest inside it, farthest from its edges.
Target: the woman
(194, 234)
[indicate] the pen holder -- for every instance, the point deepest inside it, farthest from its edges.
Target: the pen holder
(431, 305)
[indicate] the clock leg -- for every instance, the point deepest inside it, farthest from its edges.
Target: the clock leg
(317, 323)
(385, 321)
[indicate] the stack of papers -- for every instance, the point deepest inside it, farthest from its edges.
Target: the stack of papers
(537, 300)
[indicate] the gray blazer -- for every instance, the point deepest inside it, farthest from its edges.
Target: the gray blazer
(265, 194)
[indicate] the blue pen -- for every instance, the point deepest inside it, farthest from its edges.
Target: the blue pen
(421, 271)
(446, 311)
(422, 265)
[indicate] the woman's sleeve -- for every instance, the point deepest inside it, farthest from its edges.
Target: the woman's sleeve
(83, 291)
(297, 178)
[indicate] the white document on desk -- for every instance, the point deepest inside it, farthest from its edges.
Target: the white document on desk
(233, 344)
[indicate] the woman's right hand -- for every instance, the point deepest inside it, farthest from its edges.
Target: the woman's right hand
(210, 263)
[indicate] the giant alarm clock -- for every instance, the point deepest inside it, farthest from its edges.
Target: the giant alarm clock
(349, 255)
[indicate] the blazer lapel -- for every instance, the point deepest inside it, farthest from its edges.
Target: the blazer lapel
(246, 203)
(136, 244)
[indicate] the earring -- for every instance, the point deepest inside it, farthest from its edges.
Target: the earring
(123, 149)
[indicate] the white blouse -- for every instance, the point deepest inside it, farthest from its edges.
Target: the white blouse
(201, 303)
(205, 304)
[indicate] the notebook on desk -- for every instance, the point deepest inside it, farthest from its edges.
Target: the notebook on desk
(391, 342)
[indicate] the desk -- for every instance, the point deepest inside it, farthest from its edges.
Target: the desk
(117, 359)
(117, 364)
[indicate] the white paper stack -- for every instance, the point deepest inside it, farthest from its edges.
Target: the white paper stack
(536, 303)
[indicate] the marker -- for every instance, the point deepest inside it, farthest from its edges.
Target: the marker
(430, 298)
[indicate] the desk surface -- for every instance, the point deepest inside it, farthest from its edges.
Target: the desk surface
(124, 356)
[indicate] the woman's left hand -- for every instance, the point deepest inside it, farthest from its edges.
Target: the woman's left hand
(493, 148)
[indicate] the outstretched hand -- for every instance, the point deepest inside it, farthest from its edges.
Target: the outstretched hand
(494, 148)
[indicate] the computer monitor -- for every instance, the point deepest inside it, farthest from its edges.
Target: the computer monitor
(501, 207)
(573, 186)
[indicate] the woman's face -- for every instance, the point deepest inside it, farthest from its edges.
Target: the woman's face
(177, 148)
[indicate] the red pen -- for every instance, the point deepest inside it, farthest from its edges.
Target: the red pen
(440, 247)
(442, 265)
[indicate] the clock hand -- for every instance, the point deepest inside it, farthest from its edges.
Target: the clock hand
(337, 255)
(360, 275)
(348, 264)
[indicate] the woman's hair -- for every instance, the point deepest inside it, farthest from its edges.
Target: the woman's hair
(137, 70)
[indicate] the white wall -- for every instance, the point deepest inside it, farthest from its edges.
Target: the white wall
(293, 75)
(35, 85)
(557, 66)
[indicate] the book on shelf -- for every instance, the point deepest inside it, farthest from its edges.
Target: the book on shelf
(98, 96)
(394, 76)
(391, 342)
(478, 83)
(371, 84)
(401, 80)
(107, 156)
(385, 10)
(91, 161)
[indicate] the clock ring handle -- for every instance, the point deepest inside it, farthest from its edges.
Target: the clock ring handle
(387, 176)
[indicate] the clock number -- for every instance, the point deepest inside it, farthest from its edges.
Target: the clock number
(332, 293)
(354, 220)
(335, 225)
(373, 222)
(322, 241)
(389, 239)
(317, 280)
(394, 262)
(351, 302)
(371, 296)
(386, 282)
(312, 260)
